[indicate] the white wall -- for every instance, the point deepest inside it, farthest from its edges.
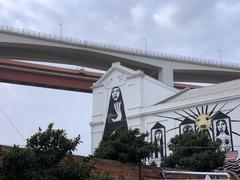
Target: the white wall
(155, 91)
(223, 106)
(141, 92)
(138, 91)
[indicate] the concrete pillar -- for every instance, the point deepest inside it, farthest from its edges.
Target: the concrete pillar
(166, 75)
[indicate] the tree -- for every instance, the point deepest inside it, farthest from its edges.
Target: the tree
(194, 151)
(125, 146)
(47, 155)
(51, 146)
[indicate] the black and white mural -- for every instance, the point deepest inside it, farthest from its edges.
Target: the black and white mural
(158, 137)
(186, 126)
(116, 113)
(221, 126)
(215, 120)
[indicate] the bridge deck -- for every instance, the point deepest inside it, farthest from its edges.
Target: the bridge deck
(16, 43)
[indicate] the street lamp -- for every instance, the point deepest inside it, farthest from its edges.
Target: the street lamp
(60, 24)
(145, 43)
(220, 54)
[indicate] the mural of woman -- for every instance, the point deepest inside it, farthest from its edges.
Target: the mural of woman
(158, 139)
(116, 114)
(222, 133)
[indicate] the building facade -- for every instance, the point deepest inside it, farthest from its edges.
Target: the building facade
(123, 96)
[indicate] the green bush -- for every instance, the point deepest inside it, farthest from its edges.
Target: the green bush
(44, 158)
(194, 151)
(125, 146)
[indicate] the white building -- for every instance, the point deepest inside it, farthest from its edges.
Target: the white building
(130, 98)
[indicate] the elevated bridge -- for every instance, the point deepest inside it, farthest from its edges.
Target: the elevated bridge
(17, 72)
(47, 76)
(24, 44)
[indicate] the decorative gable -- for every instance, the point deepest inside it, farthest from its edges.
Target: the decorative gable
(116, 76)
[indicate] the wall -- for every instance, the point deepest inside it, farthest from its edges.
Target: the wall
(136, 91)
(172, 119)
(215, 108)
(128, 171)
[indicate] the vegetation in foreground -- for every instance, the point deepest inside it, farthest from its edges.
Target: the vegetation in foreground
(47, 156)
(126, 146)
(194, 151)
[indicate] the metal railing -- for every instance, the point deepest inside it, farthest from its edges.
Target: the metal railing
(221, 175)
(115, 48)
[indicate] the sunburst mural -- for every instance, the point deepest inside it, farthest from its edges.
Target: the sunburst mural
(216, 120)
(218, 124)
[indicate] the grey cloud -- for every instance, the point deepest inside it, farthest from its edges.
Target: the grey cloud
(196, 28)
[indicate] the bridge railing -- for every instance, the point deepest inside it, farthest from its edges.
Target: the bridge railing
(116, 48)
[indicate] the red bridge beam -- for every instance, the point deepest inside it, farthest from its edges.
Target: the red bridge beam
(47, 76)
(17, 72)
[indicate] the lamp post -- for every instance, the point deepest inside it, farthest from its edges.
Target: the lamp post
(220, 55)
(145, 43)
(60, 24)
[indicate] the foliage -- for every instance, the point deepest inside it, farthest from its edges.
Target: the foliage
(194, 151)
(44, 158)
(52, 142)
(71, 170)
(17, 164)
(125, 146)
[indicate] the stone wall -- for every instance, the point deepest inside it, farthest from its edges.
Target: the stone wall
(121, 171)
(129, 171)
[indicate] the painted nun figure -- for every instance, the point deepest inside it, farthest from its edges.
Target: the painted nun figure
(116, 116)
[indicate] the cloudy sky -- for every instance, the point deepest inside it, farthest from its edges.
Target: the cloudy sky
(197, 28)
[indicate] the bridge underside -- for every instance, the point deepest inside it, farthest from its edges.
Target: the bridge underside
(28, 45)
(103, 62)
(46, 76)
(204, 76)
(30, 74)
(62, 55)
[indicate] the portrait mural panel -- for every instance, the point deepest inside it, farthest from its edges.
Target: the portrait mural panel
(158, 137)
(116, 115)
(222, 131)
(186, 126)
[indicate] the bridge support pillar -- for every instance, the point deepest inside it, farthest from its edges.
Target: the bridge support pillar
(166, 75)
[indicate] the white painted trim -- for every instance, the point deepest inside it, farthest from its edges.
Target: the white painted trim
(96, 123)
(180, 106)
(97, 115)
(98, 131)
(118, 67)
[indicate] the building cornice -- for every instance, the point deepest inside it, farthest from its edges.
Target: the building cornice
(146, 112)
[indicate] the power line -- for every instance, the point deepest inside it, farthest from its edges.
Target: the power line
(12, 124)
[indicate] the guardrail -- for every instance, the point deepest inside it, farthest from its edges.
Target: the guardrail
(215, 175)
(116, 48)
